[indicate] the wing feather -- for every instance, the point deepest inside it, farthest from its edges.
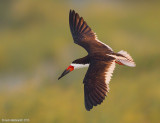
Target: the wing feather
(84, 36)
(95, 85)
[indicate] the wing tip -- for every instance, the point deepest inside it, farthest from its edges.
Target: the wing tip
(88, 108)
(71, 11)
(93, 99)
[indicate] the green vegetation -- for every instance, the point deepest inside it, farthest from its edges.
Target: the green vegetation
(36, 46)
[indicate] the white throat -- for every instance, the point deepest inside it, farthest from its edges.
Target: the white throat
(77, 66)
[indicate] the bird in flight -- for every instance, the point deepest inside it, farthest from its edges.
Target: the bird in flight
(100, 61)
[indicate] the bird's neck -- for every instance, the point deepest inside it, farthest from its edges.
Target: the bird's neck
(81, 62)
(78, 66)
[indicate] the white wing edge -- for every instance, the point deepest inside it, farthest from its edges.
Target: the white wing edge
(108, 74)
(102, 42)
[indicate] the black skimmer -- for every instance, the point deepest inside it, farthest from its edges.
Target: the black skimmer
(100, 61)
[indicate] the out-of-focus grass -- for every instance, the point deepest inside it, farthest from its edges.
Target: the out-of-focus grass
(36, 46)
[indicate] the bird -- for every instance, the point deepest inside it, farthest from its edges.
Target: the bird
(100, 60)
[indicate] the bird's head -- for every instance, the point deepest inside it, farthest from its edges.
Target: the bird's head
(72, 67)
(67, 70)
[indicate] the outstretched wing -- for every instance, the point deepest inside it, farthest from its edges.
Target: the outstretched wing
(84, 36)
(96, 82)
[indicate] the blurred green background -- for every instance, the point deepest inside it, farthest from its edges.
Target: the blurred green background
(36, 46)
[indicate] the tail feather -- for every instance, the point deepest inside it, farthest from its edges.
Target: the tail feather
(126, 60)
